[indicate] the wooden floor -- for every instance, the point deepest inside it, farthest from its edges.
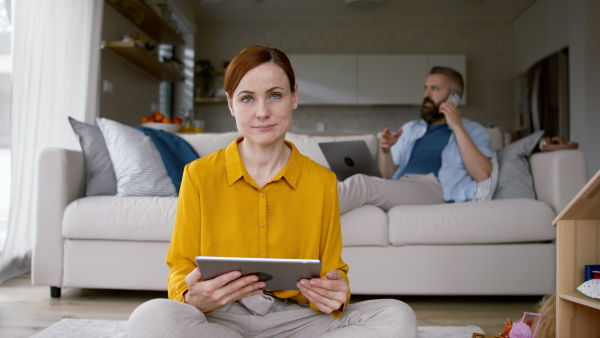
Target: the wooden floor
(26, 309)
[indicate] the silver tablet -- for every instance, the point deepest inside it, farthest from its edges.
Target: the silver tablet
(278, 273)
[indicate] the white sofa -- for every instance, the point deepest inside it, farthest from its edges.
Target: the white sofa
(498, 247)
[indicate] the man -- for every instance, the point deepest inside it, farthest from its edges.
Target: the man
(440, 158)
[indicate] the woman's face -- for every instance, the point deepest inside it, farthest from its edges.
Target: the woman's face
(262, 104)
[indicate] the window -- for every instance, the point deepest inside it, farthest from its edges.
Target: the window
(5, 91)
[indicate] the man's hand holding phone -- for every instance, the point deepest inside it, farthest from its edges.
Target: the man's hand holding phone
(450, 110)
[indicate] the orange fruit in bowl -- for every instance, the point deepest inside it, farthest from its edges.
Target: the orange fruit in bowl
(157, 116)
(145, 119)
(177, 120)
(166, 119)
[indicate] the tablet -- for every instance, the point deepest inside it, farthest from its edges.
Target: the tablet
(278, 273)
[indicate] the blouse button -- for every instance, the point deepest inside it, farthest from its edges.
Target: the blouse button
(262, 225)
(262, 195)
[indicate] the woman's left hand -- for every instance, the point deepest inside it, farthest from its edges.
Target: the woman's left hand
(327, 294)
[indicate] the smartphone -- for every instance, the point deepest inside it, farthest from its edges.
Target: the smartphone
(454, 98)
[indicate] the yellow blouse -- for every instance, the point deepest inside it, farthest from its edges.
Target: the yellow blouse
(222, 212)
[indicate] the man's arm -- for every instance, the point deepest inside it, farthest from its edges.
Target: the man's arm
(477, 165)
(386, 163)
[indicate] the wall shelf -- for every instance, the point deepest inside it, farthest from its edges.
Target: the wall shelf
(152, 24)
(143, 59)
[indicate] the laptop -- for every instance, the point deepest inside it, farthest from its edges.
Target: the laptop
(347, 158)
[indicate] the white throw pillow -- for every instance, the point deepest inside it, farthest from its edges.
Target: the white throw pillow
(139, 168)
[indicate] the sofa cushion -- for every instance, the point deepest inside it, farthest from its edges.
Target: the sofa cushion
(207, 143)
(500, 221)
(366, 225)
(143, 218)
(139, 168)
(514, 179)
(99, 172)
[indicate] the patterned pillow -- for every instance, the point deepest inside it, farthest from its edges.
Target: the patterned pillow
(99, 172)
(139, 168)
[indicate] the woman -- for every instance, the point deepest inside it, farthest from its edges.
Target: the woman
(260, 197)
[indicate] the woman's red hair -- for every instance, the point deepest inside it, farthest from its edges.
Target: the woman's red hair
(254, 56)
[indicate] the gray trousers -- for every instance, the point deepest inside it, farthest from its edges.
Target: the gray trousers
(412, 189)
(286, 318)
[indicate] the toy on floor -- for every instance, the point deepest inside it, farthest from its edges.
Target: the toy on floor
(521, 328)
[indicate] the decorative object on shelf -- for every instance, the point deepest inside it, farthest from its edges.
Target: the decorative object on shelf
(206, 73)
(175, 64)
(591, 272)
(141, 41)
(123, 6)
(591, 286)
(167, 15)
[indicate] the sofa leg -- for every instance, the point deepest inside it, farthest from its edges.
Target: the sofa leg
(54, 292)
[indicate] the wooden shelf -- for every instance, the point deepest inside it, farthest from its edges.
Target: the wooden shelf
(210, 100)
(582, 299)
(143, 59)
(577, 245)
(152, 24)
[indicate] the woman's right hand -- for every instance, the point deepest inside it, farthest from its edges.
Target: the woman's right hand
(209, 295)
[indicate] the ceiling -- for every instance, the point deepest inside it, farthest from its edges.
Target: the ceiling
(336, 10)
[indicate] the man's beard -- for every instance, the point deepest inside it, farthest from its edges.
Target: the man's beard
(430, 113)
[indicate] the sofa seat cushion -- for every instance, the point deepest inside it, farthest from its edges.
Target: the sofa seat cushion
(367, 225)
(497, 221)
(145, 218)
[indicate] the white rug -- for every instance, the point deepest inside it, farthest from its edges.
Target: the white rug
(93, 328)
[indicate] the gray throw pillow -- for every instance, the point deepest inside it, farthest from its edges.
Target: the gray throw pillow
(139, 168)
(514, 179)
(99, 172)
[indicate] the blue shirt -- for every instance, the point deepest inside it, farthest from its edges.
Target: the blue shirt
(457, 184)
(427, 153)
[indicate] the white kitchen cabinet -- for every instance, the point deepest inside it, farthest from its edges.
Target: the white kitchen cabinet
(391, 79)
(326, 78)
(367, 79)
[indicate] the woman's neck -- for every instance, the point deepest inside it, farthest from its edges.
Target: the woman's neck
(264, 162)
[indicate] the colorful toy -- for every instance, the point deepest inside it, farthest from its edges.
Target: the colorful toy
(521, 328)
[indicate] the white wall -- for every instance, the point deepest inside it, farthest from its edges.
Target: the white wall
(488, 48)
(550, 25)
(539, 32)
(584, 77)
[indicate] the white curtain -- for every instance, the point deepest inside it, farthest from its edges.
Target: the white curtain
(56, 47)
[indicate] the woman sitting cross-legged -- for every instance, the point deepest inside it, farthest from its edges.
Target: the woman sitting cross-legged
(260, 197)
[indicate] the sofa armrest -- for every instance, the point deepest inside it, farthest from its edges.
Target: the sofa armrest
(558, 176)
(60, 180)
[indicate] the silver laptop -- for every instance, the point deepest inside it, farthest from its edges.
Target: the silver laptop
(347, 158)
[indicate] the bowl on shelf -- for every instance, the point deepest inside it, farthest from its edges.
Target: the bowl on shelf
(170, 127)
